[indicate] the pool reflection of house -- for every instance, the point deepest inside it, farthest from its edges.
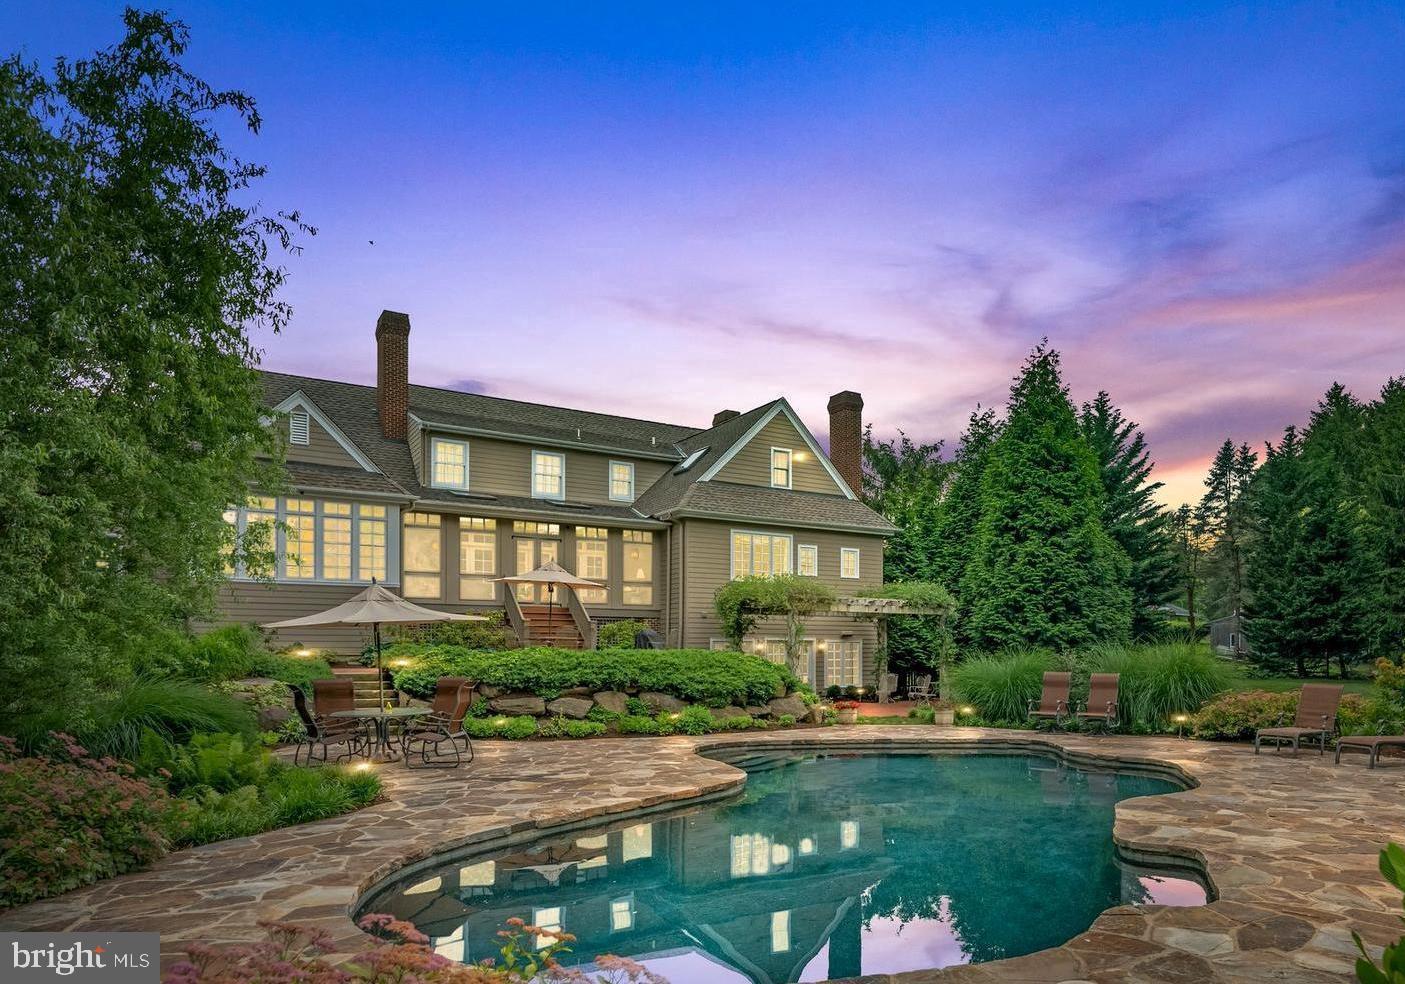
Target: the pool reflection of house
(670, 887)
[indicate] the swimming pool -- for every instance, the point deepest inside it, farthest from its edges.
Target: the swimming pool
(826, 865)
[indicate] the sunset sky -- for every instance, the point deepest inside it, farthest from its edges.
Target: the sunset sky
(665, 212)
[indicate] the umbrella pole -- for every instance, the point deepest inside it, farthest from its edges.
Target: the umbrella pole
(550, 597)
(380, 670)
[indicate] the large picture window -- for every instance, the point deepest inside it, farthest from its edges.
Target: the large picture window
(548, 475)
(638, 567)
(478, 558)
(448, 463)
(760, 554)
(593, 562)
(298, 539)
(423, 563)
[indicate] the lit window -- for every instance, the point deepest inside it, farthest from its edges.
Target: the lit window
(622, 914)
(780, 931)
(638, 567)
(371, 546)
(806, 846)
(760, 554)
(780, 468)
(260, 536)
(849, 562)
(843, 662)
(478, 558)
(484, 874)
(448, 467)
(422, 555)
(637, 842)
(750, 855)
(300, 539)
(774, 650)
(593, 562)
(807, 560)
(549, 919)
(548, 475)
(336, 541)
(622, 481)
(450, 947)
(231, 518)
(848, 834)
(298, 427)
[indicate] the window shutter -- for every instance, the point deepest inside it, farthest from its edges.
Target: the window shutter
(297, 427)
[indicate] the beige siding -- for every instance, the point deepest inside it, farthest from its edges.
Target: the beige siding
(752, 464)
(707, 566)
(504, 468)
(254, 603)
(414, 436)
(321, 447)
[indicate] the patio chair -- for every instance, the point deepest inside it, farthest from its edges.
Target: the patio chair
(920, 689)
(1316, 719)
(888, 687)
(351, 736)
(1101, 708)
(427, 735)
(1370, 744)
(1053, 702)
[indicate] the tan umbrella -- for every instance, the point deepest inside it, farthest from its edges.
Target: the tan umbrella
(375, 607)
(552, 575)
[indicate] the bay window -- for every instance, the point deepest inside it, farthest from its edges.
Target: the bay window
(478, 558)
(299, 539)
(593, 562)
(638, 567)
(760, 554)
(423, 562)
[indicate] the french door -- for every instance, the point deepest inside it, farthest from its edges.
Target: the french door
(533, 550)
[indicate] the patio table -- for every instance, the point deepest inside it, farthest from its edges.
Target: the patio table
(381, 718)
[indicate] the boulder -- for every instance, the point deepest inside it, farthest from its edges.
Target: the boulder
(576, 692)
(612, 701)
(791, 705)
(272, 718)
(571, 707)
(816, 715)
(758, 711)
(661, 702)
(515, 704)
(489, 691)
(723, 713)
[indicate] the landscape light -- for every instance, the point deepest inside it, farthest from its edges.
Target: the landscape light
(302, 652)
(362, 767)
(400, 662)
(499, 721)
(968, 710)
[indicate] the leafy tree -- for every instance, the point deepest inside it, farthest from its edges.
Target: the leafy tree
(130, 271)
(1131, 514)
(1188, 556)
(1223, 514)
(743, 602)
(1044, 571)
(903, 481)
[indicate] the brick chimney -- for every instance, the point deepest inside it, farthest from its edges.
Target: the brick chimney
(722, 416)
(393, 372)
(846, 437)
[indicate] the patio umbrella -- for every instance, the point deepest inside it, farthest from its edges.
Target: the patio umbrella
(375, 607)
(552, 575)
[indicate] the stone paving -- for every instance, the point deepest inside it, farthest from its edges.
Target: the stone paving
(1289, 845)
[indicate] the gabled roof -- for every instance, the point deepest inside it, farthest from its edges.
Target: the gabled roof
(300, 400)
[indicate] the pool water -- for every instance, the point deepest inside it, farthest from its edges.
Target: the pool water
(825, 866)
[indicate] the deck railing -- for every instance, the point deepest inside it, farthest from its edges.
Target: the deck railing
(515, 619)
(582, 619)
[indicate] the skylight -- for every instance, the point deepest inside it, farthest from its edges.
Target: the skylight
(689, 461)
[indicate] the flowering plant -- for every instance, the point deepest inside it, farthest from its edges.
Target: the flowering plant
(69, 819)
(846, 705)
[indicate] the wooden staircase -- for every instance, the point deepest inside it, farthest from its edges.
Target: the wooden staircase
(363, 681)
(556, 628)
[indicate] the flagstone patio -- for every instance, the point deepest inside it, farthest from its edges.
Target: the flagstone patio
(1290, 846)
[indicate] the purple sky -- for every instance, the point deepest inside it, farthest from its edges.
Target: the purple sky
(668, 213)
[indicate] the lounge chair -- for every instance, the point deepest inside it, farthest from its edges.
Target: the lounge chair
(427, 736)
(1370, 744)
(324, 732)
(1101, 707)
(1053, 702)
(1316, 719)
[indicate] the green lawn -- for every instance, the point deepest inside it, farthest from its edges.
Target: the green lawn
(1280, 684)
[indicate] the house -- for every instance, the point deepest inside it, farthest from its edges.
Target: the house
(436, 493)
(1227, 636)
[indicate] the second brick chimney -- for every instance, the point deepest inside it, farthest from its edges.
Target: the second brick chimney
(393, 372)
(722, 416)
(846, 437)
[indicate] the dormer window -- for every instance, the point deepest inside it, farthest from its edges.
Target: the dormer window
(621, 481)
(448, 464)
(298, 427)
(780, 468)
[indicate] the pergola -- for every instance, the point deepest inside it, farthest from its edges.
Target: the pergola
(880, 610)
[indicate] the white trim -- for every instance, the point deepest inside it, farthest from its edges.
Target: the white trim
(532, 475)
(789, 468)
(781, 407)
(858, 559)
(299, 427)
(732, 557)
(610, 481)
(300, 399)
(807, 546)
(318, 515)
(433, 482)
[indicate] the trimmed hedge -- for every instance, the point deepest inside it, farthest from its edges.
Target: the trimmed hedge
(699, 676)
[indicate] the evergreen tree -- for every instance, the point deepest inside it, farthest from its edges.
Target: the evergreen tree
(1382, 478)
(961, 506)
(1223, 514)
(1044, 572)
(1131, 514)
(1272, 619)
(1188, 557)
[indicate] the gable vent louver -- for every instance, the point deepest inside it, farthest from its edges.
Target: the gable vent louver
(298, 427)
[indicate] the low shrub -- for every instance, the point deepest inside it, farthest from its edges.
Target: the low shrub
(494, 634)
(68, 818)
(1001, 686)
(639, 724)
(635, 706)
(1160, 681)
(694, 720)
(700, 676)
(786, 720)
(524, 726)
(563, 727)
(1236, 716)
(173, 709)
(619, 635)
(299, 671)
